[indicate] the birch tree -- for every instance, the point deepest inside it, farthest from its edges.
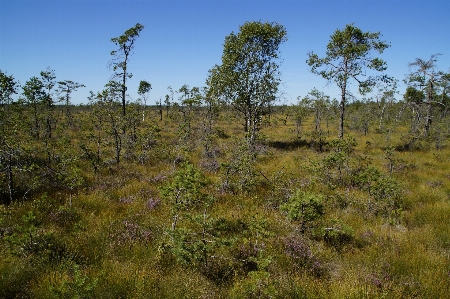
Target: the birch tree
(249, 75)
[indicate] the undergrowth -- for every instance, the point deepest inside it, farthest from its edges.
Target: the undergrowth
(355, 218)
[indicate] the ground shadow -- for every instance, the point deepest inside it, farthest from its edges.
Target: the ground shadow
(289, 145)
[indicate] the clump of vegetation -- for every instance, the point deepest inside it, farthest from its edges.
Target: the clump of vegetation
(304, 208)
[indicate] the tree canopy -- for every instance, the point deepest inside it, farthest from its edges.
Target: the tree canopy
(125, 42)
(249, 74)
(349, 56)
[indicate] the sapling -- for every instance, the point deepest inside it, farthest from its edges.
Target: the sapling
(238, 174)
(185, 191)
(304, 207)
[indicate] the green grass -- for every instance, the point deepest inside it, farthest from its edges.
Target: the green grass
(112, 237)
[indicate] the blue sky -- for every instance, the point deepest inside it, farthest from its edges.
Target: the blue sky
(183, 39)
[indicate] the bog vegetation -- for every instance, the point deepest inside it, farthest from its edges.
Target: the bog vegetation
(220, 192)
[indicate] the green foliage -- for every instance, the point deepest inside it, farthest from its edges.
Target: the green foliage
(258, 284)
(384, 190)
(144, 91)
(282, 218)
(9, 145)
(34, 94)
(413, 95)
(144, 87)
(125, 44)
(194, 244)
(349, 50)
(336, 167)
(73, 282)
(249, 75)
(238, 174)
(185, 191)
(337, 234)
(349, 56)
(304, 207)
(28, 240)
(8, 87)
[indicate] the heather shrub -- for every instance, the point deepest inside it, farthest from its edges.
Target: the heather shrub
(297, 248)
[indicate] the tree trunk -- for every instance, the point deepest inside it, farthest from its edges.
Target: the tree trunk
(380, 126)
(341, 113)
(430, 100)
(10, 178)
(36, 123)
(49, 127)
(118, 145)
(124, 86)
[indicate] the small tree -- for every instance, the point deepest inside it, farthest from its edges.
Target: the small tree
(167, 103)
(385, 99)
(304, 207)
(319, 102)
(66, 87)
(425, 77)
(48, 79)
(168, 99)
(185, 191)
(106, 111)
(125, 42)
(210, 114)
(414, 99)
(349, 56)
(301, 113)
(144, 91)
(249, 75)
(445, 98)
(34, 95)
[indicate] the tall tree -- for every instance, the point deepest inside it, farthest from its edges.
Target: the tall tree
(425, 77)
(349, 56)
(249, 74)
(8, 130)
(119, 63)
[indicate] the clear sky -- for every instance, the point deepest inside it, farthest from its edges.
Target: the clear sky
(183, 39)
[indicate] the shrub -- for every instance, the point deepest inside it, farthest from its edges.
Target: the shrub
(338, 234)
(185, 191)
(304, 207)
(298, 249)
(385, 190)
